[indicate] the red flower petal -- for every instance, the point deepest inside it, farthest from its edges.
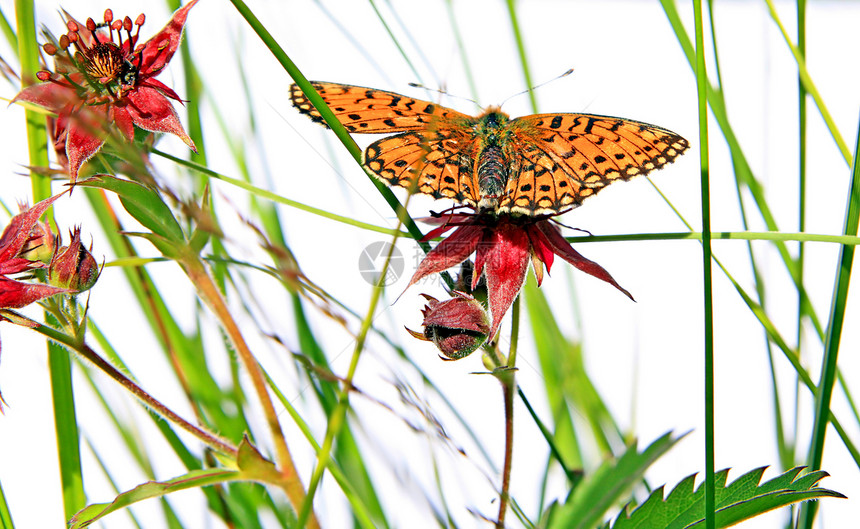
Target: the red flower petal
(20, 228)
(158, 50)
(83, 140)
(50, 95)
(560, 246)
(123, 121)
(163, 88)
(152, 111)
(15, 294)
(453, 250)
(540, 246)
(506, 267)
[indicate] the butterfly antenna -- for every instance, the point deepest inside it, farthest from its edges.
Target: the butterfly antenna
(526, 91)
(442, 91)
(572, 228)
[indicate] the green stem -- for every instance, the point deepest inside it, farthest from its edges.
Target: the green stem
(701, 89)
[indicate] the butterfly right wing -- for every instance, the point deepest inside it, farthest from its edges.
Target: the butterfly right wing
(371, 111)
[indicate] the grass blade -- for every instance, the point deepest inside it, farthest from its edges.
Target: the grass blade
(834, 334)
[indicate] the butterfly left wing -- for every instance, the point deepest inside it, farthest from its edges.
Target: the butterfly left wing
(371, 111)
(440, 160)
(565, 158)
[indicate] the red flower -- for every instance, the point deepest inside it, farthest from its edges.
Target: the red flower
(108, 79)
(503, 246)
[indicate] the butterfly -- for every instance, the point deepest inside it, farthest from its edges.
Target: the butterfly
(542, 164)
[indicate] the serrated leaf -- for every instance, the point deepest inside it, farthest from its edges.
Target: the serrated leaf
(742, 499)
(142, 203)
(599, 491)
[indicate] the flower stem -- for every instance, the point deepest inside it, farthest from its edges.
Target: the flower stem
(506, 377)
(211, 296)
(209, 438)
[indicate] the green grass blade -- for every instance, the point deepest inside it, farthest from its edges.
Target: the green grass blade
(742, 168)
(521, 51)
(701, 85)
(65, 422)
(787, 453)
(9, 32)
(5, 515)
(65, 419)
(461, 48)
(810, 87)
(834, 334)
(394, 40)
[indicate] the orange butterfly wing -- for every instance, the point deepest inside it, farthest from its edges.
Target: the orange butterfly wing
(371, 111)
(554, 161)
(432, 146)
(565, 158)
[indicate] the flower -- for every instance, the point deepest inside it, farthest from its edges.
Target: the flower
(456, 326)
(503, 246)
(108, 79)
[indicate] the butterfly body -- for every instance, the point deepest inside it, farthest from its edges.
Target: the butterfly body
(541, 164)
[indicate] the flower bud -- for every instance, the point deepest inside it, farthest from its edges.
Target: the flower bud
(73, 266)
(42, 243)
(456, 326)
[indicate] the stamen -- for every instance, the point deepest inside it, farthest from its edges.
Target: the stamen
(50, 49)
(103, 61)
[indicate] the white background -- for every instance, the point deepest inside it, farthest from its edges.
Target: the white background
(645, 358)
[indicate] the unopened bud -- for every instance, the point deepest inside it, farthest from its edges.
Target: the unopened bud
(73, 266)
(456, 326)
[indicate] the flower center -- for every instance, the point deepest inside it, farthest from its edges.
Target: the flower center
(104, 61)
(107, 52)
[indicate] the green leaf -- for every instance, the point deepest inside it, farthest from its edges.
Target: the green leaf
(741, 500)
(152, 489)
(588, 504)
(143, 203)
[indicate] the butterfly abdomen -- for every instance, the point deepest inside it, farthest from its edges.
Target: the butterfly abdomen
(492, 160)
(493, 172)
